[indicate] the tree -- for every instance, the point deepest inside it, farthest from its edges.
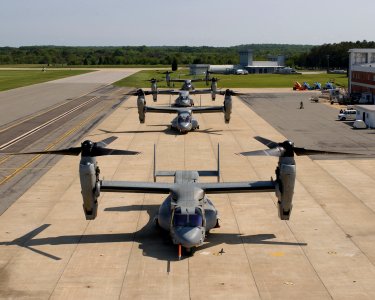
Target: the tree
(174, 64)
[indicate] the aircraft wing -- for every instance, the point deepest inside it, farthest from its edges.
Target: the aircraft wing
(135, 187)
(177, 80)
(238, 187)
(168, 92)
(163, 109)
(206, 109)
(198, 92)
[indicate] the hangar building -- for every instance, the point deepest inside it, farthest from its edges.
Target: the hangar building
(261, 66)
(246, 62)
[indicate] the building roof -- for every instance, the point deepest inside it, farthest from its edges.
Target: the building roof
(362, 50)
(264, 64)
(367, 107)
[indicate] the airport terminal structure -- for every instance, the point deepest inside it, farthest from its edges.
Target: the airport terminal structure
(362, 73)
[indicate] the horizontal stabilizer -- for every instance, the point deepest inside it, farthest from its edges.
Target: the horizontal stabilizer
(165, 173)
(207, 173)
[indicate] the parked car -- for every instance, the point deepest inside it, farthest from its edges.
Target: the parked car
(359, 124)
(241, 72)
(347, 114)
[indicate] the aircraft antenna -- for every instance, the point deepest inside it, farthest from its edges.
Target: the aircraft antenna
(154, 171)
(218, 162)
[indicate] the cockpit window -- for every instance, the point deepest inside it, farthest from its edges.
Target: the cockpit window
(187, 220)
(184, 118)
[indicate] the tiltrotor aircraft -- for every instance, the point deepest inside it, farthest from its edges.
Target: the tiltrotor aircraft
(185, 91)
(184, 122)
(187, 213)
(183, 99)
(187, 83)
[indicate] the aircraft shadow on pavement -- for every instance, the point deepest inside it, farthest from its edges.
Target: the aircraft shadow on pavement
(154, 242)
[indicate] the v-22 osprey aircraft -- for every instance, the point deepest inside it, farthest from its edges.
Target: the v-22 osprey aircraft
(186, 213)
(184, 122)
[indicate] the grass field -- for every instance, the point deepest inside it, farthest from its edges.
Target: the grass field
(10, 79)
(235, 81)
(59, 66)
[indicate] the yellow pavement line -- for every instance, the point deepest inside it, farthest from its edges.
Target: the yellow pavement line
(32, 117)
(43, 112)
(5, 158)
(66, 134)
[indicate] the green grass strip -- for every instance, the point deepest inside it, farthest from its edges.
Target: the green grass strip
(10, 79)
(139, 80)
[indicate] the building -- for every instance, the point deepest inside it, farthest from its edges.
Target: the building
(261, 66)
(367, 114)
(198, 69)
(246, 62)
(362, 72)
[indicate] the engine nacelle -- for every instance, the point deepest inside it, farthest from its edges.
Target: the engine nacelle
(90, 188)
(141, 103)
(286, 177)
(154, 90)
(227, 108)
(213, 90)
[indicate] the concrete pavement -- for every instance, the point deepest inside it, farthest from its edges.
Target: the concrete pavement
(325, 251)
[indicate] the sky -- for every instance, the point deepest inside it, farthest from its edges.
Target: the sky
(190, 22)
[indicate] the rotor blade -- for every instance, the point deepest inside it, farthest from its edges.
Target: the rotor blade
(303, 151)
(270, 144)
(68, 151)
(268, 152)
(43, 253)
(108, 151)
(106, 142)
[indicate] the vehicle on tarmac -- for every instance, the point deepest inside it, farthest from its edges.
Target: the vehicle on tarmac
(347, 114)
(241, 72)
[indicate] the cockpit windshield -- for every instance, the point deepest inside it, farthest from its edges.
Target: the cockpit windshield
(187, 220)
(184, 118)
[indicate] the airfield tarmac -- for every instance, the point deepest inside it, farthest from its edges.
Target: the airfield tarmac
(326, 250)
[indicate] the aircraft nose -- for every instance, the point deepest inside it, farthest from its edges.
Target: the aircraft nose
(185, 126)
(189, 236)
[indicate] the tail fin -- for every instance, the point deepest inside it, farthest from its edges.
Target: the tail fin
(160, 173)
(215, 173)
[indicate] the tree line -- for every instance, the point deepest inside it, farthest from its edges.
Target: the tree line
(328, 56)
(140, 55)
(300, 56)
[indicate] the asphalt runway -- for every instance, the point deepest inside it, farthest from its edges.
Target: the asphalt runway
(21, 102)
(326, 251)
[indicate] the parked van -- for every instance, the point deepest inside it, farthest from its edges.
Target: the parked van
(347, 114)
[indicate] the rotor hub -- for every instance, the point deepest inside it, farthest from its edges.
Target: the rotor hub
(288, 147)
(87, 147)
